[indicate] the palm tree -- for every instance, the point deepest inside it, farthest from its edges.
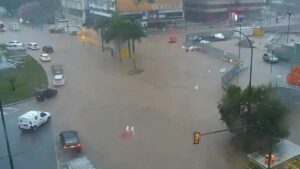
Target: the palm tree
(115, 31)
(135, 33)
(120, 30)
(101, 24)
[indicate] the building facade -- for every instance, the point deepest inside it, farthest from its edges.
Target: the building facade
(149, 13)
(222, 10)
(74, 11)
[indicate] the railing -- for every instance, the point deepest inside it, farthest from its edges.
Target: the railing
(212, 51)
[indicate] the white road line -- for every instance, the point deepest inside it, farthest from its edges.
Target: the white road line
(9, 110)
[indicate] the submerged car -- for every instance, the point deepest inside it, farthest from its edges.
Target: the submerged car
(33, 46)
(269, 58)
(45, 57)
(69, 140)
(172, 39)
(42, 94)
(58, 80)
(48, 49)
(57, 30)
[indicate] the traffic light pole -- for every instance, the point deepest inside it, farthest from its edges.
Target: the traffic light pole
(6, 137)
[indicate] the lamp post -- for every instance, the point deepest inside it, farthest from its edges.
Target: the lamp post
(240, 24)
(288, 32)
(250, 77)
(6, 138)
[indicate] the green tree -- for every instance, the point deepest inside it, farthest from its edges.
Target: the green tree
(12, 5)
(267, 113)
(120, 30)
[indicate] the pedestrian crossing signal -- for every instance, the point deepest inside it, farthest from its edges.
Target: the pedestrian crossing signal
(197, 137)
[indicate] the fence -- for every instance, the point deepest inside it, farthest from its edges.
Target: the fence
(213, 51)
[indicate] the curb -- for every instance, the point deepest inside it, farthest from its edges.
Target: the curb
(18, 102)
(31, 98)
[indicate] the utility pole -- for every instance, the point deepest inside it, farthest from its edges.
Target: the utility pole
(288, 32)
(239, 61)
(6, 137)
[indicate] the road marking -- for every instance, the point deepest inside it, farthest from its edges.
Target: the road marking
(9, 110)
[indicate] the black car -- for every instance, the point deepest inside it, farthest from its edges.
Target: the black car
(69, 140)
(270, 58)
(57, 30)
(42, 94)
(57, 69)
(48, 49)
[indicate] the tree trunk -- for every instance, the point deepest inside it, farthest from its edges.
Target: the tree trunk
(102, 41)
(132, 56)
(129, 48)
(133, 46)
(117, 49)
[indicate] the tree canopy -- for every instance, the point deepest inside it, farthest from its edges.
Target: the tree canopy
(267, 113)
(47, 5)
(121, 29)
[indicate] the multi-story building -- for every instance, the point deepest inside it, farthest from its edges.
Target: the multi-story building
(74, 11)
(147, 12)
(222, 10)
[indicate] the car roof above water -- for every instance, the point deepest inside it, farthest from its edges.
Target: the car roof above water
(30, 114)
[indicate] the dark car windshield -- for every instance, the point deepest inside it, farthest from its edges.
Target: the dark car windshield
(70, 138)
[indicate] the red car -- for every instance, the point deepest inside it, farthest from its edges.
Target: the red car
(172, 40)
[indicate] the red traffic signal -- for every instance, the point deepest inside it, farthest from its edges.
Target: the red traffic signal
(267, 160)
(197, 137)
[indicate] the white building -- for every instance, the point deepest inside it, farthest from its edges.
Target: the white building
(74, 11)
(148, 12)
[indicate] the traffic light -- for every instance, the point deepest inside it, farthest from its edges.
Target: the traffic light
(197, 137)
(267, 159)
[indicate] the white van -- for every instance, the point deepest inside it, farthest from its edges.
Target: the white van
(33, 119)
(16, 46)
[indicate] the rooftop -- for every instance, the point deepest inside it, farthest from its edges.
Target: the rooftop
(145, 5)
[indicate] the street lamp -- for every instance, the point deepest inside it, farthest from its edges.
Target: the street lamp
(240, 24)
(288, 32)
(6, 137)
(250, 77)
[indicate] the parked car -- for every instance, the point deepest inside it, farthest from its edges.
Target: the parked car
(33, 119)
(58, 80)
(56, 30)
(219, 36)
(13, 42)
(45, 57)
(57, 69)
(33, 46)
(15, 45)
(197, 39)
(172, 39)
(269, 58)
(69, 140)
(42, 94)
(48, 49)
(204, 42)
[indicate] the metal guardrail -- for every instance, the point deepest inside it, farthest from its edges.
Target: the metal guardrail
(213, 51)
